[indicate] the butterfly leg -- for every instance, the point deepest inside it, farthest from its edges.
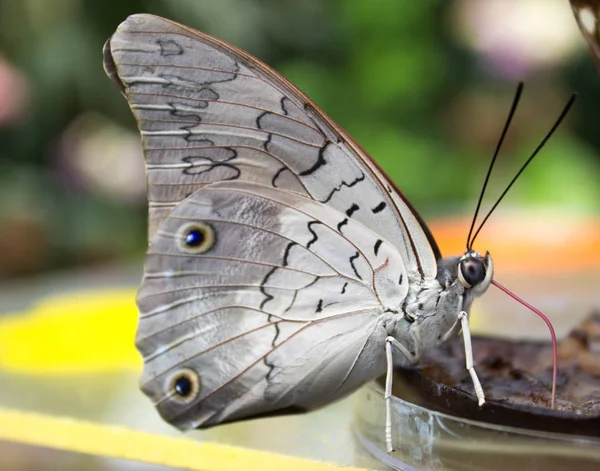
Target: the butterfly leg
(464, 320)
(390, 343)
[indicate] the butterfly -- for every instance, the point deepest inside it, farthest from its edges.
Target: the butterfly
(284, 268)
(587, 13)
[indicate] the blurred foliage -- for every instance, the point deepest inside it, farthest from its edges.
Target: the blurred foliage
(396, 75)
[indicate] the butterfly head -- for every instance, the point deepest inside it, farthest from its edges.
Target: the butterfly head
(475, 272)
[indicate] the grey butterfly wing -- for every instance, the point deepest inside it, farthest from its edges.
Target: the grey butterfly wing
(587, 15)
(304, 242)
(260, 330)
(210, 112)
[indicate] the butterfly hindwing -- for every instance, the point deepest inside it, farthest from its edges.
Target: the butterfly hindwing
(256, 323)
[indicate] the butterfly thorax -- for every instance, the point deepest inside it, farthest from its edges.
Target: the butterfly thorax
(431, 307)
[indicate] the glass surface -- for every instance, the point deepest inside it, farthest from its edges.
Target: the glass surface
(427, 440)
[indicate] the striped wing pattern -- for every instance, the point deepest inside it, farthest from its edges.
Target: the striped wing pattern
(310, 243)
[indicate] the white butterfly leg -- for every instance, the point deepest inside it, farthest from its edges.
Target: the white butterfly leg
(391, 342)
(464, 320)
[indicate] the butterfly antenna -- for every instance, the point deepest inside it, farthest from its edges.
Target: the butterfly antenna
(552, 334)
(535, 152)
(511, 113)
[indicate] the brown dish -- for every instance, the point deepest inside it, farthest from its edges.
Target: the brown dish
(517, 380)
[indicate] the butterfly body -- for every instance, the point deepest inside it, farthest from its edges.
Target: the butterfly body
(282, 264)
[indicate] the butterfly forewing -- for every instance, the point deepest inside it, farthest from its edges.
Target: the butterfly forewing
(209, 112)
(276, 243)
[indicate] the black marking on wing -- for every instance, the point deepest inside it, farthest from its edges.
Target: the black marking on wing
(261, 116)
(342, 224)
(269, 365)
(276, 176)
(259, 126)
(176, 83)
(286, 254)
(213, 164)
(401, 277)
(196, 138)
(346, 184)
(354, 257)
(207, 93)
(284, 112)
(180, 113)
(432, 243)
(437, 301)
(267, 142)
(169, 47)
(296, 292)
(319, 306)
(380, 207)
(267, 296)
(267, 113)
(179, 84)
(284, 101)
(420, 306)
(293, 301)
(319, 163)
(315, 236)
(352, 209)
(178, 109)
(344, 287)
(377, 245)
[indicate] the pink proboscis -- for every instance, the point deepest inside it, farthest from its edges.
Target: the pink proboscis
(552, 334)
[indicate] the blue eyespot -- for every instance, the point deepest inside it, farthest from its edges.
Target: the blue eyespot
(183, 386)
(194, 238)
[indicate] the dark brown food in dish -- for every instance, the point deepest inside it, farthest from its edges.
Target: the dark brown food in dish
(517, 380)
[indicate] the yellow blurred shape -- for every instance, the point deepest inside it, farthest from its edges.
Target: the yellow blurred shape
(68, 434)
(81, 332)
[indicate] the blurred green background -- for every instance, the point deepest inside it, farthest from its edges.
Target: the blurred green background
(424, 86)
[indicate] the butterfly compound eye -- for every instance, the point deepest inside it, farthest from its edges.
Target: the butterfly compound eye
(196, 238)
(471, 271)
(184, 385)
